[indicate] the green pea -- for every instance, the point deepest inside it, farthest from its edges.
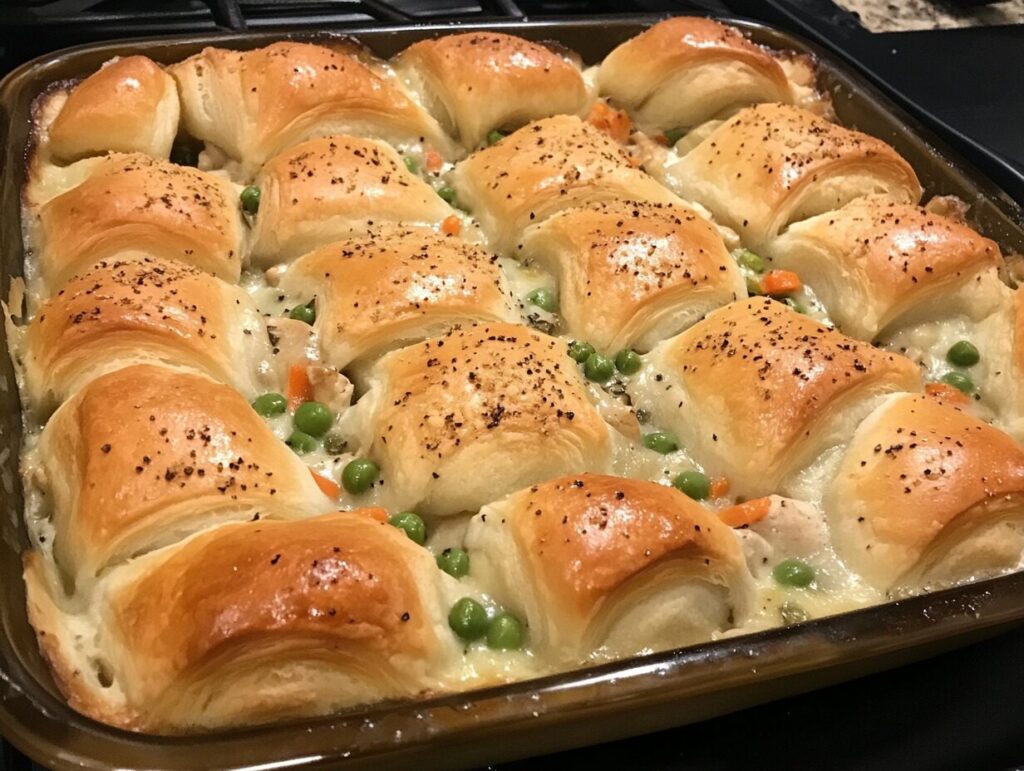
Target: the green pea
(661, 442)
(250, 199)
(335, 444)
(454, 562)
(598, 368)
(963, 354)
(314, 418)
(468, 619)
(412, 524)
(544, 299)
(580, 351)
(301, 442)
(359, 475)
(447, 193)
(959, 380)
(753, 287)
(505, 633)
(793, 573)
(694, 484)
(628, 362)
(494, 137)
(270, 404)
(751, 261)
(674, 135)
(306, 313)
(411, 165)
(799, 307)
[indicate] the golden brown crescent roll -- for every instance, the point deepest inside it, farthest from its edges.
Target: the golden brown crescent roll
(686, 70)
(631, 274)
(143, 309)
(462, 419)
(544, 168)
(144, 454)
(333, 187)
(873, 263)
(254, 104)
(755, 391)
(130, 105)
(610, 565)
(927, 495)
(479, 81)
(772, 165)
(394, 287)
(252, 622)
(133, 203)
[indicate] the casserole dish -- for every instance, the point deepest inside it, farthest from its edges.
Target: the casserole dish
(550, 713)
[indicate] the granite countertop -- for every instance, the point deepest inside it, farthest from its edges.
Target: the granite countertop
(908, 15)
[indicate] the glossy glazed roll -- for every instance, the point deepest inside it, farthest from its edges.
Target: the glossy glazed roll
(129, 106)
(928, 495)
(251, 105)
(459, 420)
(772, 165)
(874, 263)
(334, 187)
(686, 70)
(146, 454)
(125, 311)
(772, 387)
(252, 622)
(479, 81)
(135, 204)
(542, 169)
(632, 274)
(395, 287)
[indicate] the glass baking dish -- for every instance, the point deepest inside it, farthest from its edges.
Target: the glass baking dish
(586, 706)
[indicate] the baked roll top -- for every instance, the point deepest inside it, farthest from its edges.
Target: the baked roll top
(772, 165)
(144, 454)
(395, 287)
(928, 495)
(772, 389)
(479, 81)
(253, 104)
(609, 565)
(333, 187)
(543, 168)
(133, 203)
(257, 621)
(130, 105)
(462, 419)
(126, 311)
(874, 263)
(631, 274)
(686, 70)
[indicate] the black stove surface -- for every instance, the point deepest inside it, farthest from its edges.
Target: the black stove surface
(962, 710)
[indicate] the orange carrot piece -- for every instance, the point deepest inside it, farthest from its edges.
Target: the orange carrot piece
(378, 514)
(661, 139)
(614, 123)
(451, 226)
(947, 393)
(747, 513)
(327, 486)
(300, 389)
(433, 161)
(780, 282)
(719, 487)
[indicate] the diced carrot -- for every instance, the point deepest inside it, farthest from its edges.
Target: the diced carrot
(451, 226)
(433, 161)
(661, 139)
(747, 513)
(327, 486)
(300, 389)
(614, 123)
(375, 513)
(780, 282)
(719, 487)
(947, 393)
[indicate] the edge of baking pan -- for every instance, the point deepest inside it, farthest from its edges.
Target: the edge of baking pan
(556, 712)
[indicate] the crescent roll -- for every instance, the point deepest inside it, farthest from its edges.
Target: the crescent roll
(253, 622)
(773, 164)
(631, 274)
(333, 187)
(756, 391)
(143, 309)
(395, 287)
(874, 263)
(144, 454)
(479, 81)
(927, 495)
(133, 203)
(600, 564)
(542, 169)
(462, 419)
(128, 106)
(253, 104)
(687, 70)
